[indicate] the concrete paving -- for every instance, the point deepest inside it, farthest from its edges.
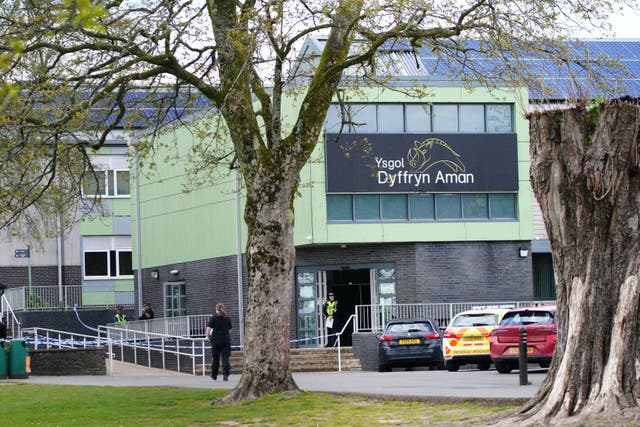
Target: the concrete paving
(399, 384)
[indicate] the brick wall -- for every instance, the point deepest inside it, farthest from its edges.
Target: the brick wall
(440, 271)
(14, 277)
(207, 282)
(90, 361)
(425, 273)
(68, 321)
(365, 348)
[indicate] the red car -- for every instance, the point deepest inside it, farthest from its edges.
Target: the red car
(541, 325)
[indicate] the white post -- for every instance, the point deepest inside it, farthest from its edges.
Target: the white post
(136, 181)
(236, 190)
(339, 354)
(59, 241)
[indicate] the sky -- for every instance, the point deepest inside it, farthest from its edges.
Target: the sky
(626, 26)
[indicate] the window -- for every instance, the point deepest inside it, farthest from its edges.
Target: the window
(339, 207)
(367, 207)
(394, 206)
(475, 206)
(363, 118)
(109, 183)
(421, 207)
(499, 118)
(390, 118)
(123, 186)
(445, 117)
(95, 184)
(422, 118)
(472, 118)
(448, 206)
(104, 264)
(175, 299)
(418, 118)
(96, 264)
(502, 206)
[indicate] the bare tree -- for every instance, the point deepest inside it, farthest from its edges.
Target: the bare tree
(240, 56)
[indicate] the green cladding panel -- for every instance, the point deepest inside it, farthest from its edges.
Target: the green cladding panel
(182, 222)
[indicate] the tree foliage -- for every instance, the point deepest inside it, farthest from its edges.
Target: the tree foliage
(242, 57)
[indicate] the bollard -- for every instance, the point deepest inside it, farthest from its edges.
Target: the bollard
(522, 356)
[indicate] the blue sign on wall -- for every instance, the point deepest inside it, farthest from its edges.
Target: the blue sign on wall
(421, 163)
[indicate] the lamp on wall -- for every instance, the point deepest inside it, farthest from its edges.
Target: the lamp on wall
(155, 274)
(175, 272)
(523, 252)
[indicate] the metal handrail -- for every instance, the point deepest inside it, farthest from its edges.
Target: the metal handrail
(373, 317)
(52, 338)
(12, 323)
(183, 326)
(156, 342)
(25, 298)
(353, 316)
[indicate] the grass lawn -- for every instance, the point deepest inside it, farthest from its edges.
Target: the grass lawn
(52, 405)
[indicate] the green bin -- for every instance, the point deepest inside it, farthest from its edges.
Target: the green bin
(18, 359)
(4, 360)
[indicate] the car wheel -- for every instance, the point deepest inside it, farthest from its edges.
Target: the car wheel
(440, 365)
(503, 368)
(484, 366)
(451, 365)
(384, 368)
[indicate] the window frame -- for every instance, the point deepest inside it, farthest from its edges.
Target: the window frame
(356, 107)
(116, 193)
(110, 262)
(110, 185)
(411, 219)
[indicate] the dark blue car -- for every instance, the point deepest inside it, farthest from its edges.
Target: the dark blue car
(408, 343)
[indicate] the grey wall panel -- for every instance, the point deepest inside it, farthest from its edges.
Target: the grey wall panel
(122, 225)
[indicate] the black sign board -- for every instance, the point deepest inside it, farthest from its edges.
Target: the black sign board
(421, 163)
(22, 253)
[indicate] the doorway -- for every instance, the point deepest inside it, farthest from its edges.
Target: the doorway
(352, 287)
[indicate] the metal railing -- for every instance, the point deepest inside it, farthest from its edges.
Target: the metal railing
(51, 338)
(373, 317)
(44, 297)
(182, 326)
(181, 354)
(12, 322)
(156, 350)
(353, 316)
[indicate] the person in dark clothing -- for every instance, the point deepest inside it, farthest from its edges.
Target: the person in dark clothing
(330, 310)
(218, 332)
(147, 312)
(3, 329)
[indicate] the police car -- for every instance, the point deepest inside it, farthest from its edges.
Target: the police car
(466, 339)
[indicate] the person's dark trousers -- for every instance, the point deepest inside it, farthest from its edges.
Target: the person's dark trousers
(220, 349)
(331, 341)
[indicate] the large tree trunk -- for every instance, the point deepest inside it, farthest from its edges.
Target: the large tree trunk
(586, 177)
(270, 261)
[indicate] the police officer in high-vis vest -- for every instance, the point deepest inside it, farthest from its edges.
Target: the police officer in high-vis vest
(120, 318)
(331, 312)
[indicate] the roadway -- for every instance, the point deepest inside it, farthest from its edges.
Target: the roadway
(466, 384)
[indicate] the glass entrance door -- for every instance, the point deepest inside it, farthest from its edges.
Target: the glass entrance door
(175, 299)
(310, 291)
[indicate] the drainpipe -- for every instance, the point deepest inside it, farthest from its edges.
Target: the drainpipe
(136, 184)
(59, 241)
(236, 190)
